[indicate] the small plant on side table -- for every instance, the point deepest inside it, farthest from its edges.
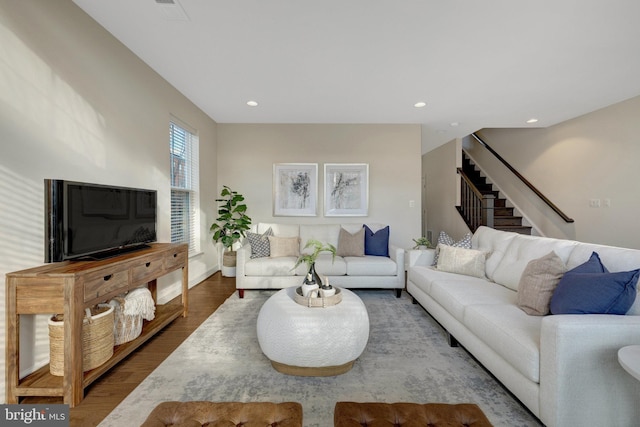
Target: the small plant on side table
(421, 243)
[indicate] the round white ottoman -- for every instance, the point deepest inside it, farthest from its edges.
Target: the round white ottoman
(312, 341)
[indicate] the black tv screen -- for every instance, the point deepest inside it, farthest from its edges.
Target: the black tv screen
(94, 221)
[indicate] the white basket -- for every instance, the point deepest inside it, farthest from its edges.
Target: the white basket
(126, 327)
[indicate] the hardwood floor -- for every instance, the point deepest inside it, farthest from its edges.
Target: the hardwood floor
(107, 392)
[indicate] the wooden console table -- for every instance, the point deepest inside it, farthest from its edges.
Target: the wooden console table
(71, 286)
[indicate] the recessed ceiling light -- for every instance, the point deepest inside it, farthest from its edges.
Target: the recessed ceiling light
(420, 104)
(454, 124)
(252, 103)
(532, 121)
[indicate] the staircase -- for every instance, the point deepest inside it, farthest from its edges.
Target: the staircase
(503, 216)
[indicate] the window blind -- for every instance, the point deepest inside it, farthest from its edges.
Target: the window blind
(183, 146)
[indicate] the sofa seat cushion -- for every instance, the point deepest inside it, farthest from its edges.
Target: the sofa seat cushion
(281, 266)
(510, 332)
(325, 265)
(370, 265)
(423, 276)
(456, 292)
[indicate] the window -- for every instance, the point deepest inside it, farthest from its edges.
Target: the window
(183, 145)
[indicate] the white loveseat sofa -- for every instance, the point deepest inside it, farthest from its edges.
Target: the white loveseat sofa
(367, 271)
(563, 367)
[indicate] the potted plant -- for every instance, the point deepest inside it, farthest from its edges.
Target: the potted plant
(312, 278)
(230, 226)
(421, 243)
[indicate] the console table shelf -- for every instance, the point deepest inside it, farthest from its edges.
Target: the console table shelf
(68, 288)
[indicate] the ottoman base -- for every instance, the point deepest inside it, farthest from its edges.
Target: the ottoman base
(302, 371)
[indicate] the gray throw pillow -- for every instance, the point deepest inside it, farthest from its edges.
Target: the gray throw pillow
(445, 239)
(260, 246)
(538, 282)
(350, 244)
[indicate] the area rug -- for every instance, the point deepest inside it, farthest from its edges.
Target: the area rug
(406, 359)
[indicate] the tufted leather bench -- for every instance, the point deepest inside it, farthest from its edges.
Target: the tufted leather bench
(199, 413)
(352, 414)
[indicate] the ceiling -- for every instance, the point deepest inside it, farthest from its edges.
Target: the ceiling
(490, 63)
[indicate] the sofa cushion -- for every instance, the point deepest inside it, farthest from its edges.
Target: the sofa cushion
(494, 243)
(371, 266)
(511, 333)
(454, 292)
(523, 249)
(284, 246)
(590, 289)
(280, 230)
(326, 264)
(260, 246)
(469, 262)
(445, 239)
(350, 244)
(324, 233)
(376, 243)
(281, 266)
(539, 279)
(424, 276)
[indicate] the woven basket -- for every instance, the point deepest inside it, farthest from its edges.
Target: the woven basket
(97, 339)
(229, 258)
(319, 301)
(126, 327)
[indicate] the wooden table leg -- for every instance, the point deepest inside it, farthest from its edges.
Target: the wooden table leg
(12, 351)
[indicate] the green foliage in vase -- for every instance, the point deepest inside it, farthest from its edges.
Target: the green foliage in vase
(317, 248)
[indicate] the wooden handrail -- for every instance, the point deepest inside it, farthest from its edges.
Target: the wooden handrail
(523, 179)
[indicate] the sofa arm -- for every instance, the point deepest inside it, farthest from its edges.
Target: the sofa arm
(243, 253)
(581, 381)
(397, 255)
(423, 257)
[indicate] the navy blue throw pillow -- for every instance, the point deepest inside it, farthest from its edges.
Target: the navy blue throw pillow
(593, 265)
(376, 243)
(591, 289)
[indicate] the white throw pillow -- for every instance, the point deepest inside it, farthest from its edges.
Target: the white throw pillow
(469, 262)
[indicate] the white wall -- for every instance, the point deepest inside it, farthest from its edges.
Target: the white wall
(76, 104)
(594, 156)
(246, 154)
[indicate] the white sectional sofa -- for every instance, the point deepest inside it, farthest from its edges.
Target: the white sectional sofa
(563, 367)
(344, 271)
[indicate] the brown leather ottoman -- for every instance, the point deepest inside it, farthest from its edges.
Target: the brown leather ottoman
(352, 414)
(198, 413)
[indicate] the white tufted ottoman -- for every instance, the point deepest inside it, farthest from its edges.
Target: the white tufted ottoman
(312, 341)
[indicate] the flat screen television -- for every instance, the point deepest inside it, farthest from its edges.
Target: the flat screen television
(93, 221)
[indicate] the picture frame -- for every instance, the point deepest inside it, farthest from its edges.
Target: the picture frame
(346, 189)
(295, 189)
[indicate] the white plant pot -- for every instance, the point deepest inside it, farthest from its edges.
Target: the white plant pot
(228, 271)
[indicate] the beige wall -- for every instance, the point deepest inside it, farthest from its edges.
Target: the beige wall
(594, 156)
(246, 154)
(442, 190)
(76, 104)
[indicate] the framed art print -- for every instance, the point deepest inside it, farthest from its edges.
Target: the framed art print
(295, 189)
(346, 189)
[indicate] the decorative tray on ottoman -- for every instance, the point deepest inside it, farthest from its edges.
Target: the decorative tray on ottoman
(318, 301)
